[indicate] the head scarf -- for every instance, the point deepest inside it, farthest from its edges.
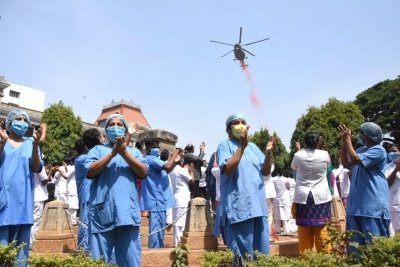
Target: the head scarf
(13, 114)
(119, 116)
(373, 131)
(233, 117)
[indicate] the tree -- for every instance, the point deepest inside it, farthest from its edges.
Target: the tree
(324, 120)
(381, 104)
(63, 129)
(281, 156)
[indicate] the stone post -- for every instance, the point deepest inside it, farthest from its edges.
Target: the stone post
(55, 234)
(199, 226)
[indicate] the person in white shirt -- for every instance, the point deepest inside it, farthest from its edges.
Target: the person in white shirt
(312, 197)
(181, 176)
(202, 182)
(60, 181)
(40, 196)
(342, 179)
(281, 203)
(270, 194)
(72, 192)
(392, 173)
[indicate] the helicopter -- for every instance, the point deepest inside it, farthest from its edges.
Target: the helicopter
(238, 49)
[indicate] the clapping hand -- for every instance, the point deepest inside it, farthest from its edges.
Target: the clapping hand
(3, 132)
(39, 135)
(344, 132)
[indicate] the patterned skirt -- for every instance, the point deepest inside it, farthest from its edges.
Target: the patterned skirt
(311, 214)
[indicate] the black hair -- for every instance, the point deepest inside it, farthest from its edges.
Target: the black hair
(164, 155)
(311, 140)
(91, 137)
(150, 143)
(189, 148)
(80, 146)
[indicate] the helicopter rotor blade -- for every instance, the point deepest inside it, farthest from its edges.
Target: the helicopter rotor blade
(256, 41)
(240, 35)
(221, 43)
(248, 52)
(227, 53)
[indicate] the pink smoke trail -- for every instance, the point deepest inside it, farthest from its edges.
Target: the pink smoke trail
(253, 95)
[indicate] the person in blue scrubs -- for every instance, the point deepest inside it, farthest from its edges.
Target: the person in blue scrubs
(114, 213)
(19, 159)
(156, 194)
(368, 200)
(90, 139)
(243, 210)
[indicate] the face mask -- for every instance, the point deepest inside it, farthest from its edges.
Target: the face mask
(155, 152)
(393, 156)
(19, 127)
(238, 129)
(114, 132)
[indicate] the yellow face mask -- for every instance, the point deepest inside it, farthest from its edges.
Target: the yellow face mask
(238, 129)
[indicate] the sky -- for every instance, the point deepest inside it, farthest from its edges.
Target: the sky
(158, 55)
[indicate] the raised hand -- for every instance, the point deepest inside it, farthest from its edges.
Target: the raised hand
(3, 132)
(120, 145)
(271, 144)
(40, 135)
(344, 132)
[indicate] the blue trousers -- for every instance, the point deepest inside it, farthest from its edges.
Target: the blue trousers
(243, 238)
(83, 227)
(124, 240)
(367, 227)
(22, 234)
(157, 221)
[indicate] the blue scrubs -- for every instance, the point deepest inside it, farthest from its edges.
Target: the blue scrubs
(16, 195)
(243, 208)
(368, 200)
(156, 197)
(83, 185)
(114, 213)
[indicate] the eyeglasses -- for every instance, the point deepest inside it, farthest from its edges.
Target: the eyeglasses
(236, 122)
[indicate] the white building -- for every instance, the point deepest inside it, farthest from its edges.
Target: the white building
(24, 97)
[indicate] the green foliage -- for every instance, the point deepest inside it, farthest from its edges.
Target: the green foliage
(217, 258)
(9, 253)
(281, 156)
(383, 251)
(179, 256)
(381, 104)
(63, 129)
(325, 120)
(76, 260)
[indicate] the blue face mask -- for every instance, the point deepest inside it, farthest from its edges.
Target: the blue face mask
(19, 127)
(393, 156)
(155, 152)
(114, 132)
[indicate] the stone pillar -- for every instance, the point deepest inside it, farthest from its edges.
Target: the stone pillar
(55, 234)
(199, 226)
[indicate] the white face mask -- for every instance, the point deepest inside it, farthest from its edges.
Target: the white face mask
(238, 129)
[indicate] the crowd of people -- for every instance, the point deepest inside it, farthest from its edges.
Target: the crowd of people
(110, 186)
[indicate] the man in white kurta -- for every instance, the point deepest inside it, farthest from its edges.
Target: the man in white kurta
(281, 203)
(181, 176)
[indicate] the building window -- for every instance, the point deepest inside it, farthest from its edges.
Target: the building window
(14, 94)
